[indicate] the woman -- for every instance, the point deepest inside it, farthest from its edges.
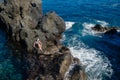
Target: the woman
(38, 44)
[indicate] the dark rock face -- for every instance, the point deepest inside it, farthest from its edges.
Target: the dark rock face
(111, 31)
(98, 27)
(75, 71)
(47, 67)
(24, 23)
(19, 19)
(105, 30)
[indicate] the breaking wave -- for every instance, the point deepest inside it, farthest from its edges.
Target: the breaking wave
(69, 24)
(97, 65)
(87, 27)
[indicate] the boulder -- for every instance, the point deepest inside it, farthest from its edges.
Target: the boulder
(53, 26)
(99, 28)
(106, 30)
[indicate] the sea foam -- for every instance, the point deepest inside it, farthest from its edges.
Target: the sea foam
(69, 24)
(87, 28)
(103, 23)
(96, 65)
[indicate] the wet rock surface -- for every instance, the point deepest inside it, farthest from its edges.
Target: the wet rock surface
(106, 30)
(111, 31)
(98, 27)
(24, 23)
(75, 71)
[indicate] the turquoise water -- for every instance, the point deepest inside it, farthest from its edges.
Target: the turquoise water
(99, 54)
(8, 70)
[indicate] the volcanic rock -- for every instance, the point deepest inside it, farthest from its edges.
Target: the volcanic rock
(111, 31)
(99, 27)
(105, 30)
(24, 24)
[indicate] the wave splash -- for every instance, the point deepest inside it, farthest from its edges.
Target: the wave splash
(87, 27)
(97, 65)
(69, 24)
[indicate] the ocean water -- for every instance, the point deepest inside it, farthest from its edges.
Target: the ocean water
(99, 54)
(8, 70)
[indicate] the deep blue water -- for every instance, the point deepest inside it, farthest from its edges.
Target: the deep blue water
(85, 10)
(99, 54)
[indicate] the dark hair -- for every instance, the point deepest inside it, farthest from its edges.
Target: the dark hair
(36, 45)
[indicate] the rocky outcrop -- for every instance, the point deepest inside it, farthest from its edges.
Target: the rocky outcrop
(47, 67)
(111, 31)
(24, 24)
(75, 71)
(19, 19)
(99, 27)
(105, 30)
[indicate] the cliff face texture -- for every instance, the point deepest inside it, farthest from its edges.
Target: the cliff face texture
(24, 24)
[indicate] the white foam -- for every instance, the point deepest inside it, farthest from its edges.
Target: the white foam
(96, 65)
(69, 24)
(103, 23)
(87, 29)
(63, 38)
(118, 30)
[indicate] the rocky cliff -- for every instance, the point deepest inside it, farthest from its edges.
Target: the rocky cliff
(24, 24)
